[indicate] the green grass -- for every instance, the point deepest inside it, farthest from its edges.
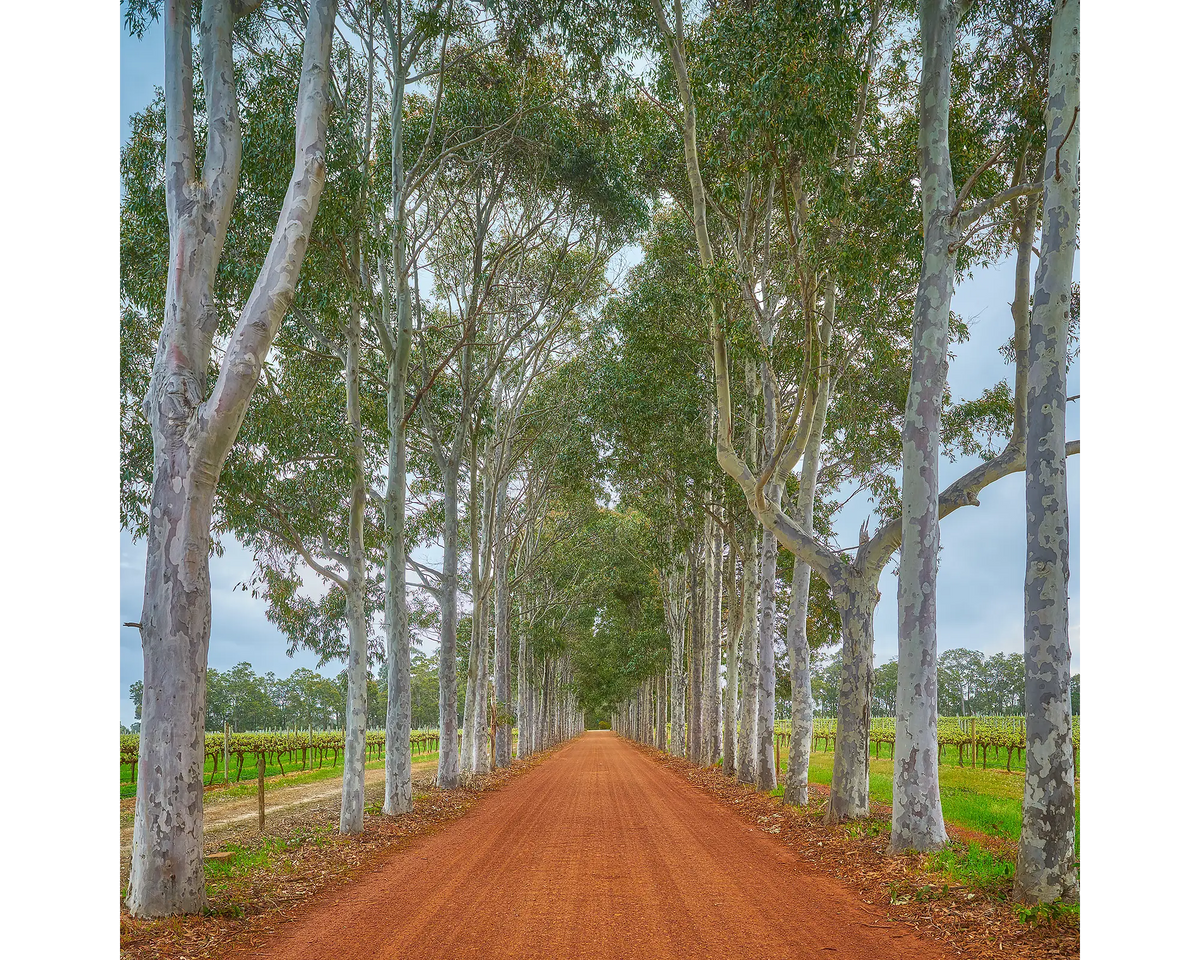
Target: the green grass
(975, 866)
(986, 801)
(265, 853)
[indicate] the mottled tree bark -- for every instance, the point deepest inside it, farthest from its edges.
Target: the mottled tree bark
(1046, 865)
(193, 430)
(710, 721)
(747, 667)
(448, 768)
(695, 648)
(848, 791)
(522, 698)
(397, 774)
(354, 771)
(747, 684)
(661, 730)
(795, 788)
(916, 804)
(503, 636)
(732, 637)
(765, 722)
(676, 625)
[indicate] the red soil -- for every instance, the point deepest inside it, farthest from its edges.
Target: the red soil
(597, 853)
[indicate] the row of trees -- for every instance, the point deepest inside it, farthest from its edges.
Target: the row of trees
(991, 686)
(456, 369)
(461, 198)
(826, 263)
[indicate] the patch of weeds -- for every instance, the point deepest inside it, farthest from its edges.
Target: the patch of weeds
(229, 882)
(864, 828)
(1045, 912)
(974, 865)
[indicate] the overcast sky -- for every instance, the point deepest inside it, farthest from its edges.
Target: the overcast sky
(980, 581)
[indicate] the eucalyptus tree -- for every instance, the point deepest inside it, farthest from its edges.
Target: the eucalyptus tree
(537, 314)
(544, 307)
(747, 216)
(301, 473)
(192, 427)
(657, 457)
(536, 187)
(1046, 866)
(854, 584)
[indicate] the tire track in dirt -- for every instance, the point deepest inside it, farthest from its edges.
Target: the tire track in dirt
(598, 853)
(221, 814)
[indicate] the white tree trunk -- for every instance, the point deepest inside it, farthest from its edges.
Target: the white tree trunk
(732, 644)
(354, 771)
(765, 721)
(193, 435)
(695, 648)
(397, 774)
(848, 790)
(916, 801)
(710, 719)
(503, 636)
(448, 768)
(747, 750)
(678, 678)
(1046, 865)
(795, 790)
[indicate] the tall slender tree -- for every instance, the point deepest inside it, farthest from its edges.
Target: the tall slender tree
(1046, 865)
(194, 427)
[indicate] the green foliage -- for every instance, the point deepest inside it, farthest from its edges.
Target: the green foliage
(975, 865)
(1040, 913)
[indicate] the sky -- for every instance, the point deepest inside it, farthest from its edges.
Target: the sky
(980, 578)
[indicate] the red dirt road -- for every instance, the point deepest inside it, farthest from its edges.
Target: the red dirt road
(597, 853)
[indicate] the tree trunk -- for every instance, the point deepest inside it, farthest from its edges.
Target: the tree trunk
(848, 790)
(522, 698)
(710, 720)
(916, 804)
(448, 768)
(695, 649)
(503, 639)
(732, 637)
(795, 790)
(748, 673)
(765, 722)
(1046, 866)
(397, 773)
(354, 772)
(192, 436)
(661, 722)
(678, 681)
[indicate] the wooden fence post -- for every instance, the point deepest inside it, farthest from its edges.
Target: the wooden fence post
(262, 792)
(974, 746)
(227, 752)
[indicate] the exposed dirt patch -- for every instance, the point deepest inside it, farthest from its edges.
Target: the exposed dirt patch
(222, 812)
(299, 856)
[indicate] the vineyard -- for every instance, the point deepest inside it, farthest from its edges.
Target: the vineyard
(974, 737)
(283, 750)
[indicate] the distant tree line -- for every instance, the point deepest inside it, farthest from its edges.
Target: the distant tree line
(305, 698)
(969, 684)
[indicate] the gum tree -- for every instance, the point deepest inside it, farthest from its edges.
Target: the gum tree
(193, 426)
(1046, 866)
